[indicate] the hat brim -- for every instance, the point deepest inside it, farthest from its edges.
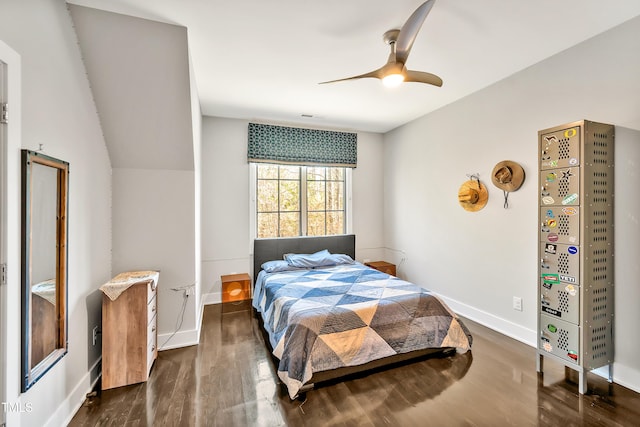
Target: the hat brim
(517, 176)
(483, 195)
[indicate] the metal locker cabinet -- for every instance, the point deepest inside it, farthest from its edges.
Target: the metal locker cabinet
(575, 229)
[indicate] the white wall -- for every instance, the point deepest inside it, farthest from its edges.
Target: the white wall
(480, 260)
(226, 243)
(58, 112)
(196, 118)
(154, 224)
(150, 115)
(368, 197)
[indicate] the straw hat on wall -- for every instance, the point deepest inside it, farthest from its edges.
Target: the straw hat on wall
(473, 195)
(507, 175)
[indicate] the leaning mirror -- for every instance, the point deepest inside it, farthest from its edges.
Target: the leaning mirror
(44, 264)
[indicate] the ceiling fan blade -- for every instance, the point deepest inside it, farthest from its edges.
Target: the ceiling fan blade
(422, 77)
(375, 74)
(409, 31)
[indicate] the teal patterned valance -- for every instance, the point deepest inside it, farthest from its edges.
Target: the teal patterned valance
(280, 144)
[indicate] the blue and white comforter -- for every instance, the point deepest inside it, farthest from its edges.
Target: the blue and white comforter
(330, 317)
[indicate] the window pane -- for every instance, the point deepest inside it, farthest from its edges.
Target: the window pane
(335, 195)
(289, 172)
(315, 223)
(280, 191)
(335, 174)
(315, 173)
(267, 196)
(267, 225)
(335, 222)
(289, 224)
(289, 195)
(266, 171)
(315, 195)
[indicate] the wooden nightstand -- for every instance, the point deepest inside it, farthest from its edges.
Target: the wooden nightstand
(236, 287)
(385, 267)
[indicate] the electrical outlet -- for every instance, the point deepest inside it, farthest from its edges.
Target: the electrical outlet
(517, 303)
(188, 291)
(96, 331)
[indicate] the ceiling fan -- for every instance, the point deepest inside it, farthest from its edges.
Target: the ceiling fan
(400, 41)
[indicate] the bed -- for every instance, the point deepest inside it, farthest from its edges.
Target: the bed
(324, 322)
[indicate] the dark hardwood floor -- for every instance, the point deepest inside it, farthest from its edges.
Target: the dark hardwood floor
(229, 380)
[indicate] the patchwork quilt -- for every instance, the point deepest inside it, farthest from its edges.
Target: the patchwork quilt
(330, 317)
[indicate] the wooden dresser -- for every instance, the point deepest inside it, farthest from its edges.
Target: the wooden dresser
(129, 335)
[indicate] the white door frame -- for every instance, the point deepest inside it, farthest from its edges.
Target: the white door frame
(9, 232)
(3, 233)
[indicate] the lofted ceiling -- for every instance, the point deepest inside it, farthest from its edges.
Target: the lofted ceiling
(263, 60)
(138, 70)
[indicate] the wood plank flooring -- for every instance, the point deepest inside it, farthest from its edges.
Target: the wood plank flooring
(230, 380)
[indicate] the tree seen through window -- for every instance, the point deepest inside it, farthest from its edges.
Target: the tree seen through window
(300, 200)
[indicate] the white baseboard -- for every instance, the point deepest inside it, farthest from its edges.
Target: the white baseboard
(183, 338)
(212, 298)
(70, 406)
(623, 375)
(505, 327)
(626, 376)
(179, 339)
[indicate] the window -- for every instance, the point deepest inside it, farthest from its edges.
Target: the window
(300, 200)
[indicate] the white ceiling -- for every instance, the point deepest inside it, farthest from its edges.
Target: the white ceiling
(262, 60)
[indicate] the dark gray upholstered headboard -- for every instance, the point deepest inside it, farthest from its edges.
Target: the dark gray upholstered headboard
(271, 249)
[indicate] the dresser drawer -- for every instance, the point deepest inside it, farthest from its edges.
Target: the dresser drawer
(152, 309)
(152, 354)
(152, 290)
(152, 343)
(151, 328)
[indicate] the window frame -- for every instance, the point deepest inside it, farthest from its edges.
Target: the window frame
(253, 205)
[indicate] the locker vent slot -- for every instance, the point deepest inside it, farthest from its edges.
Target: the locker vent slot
(564, 148)
(599, 227)
(563, 297)
(599, 265)
(563, 187)
(600, 189)
(599, 342)
(563, 340)
(563, 225)
(563, 264)
(599, 304)
(600, 149)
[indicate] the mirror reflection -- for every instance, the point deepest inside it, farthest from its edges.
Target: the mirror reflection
(44, 255)
(44, 328)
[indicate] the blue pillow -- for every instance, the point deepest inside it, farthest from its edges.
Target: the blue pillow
(276, 266)
(340, 259)
(318, 259)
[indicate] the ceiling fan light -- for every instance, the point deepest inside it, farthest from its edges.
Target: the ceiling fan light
(393, 79)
